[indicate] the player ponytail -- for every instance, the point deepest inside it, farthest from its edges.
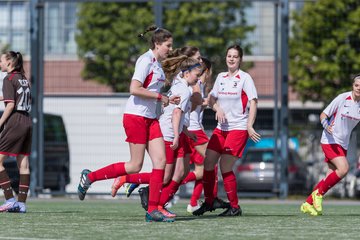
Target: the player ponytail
(159, 35)
(16, 61)
(172, 66)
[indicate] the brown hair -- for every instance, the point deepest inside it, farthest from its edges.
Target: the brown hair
(187, 51)
(236, 47)
(16, 60)
(159, 36)
(174, 65)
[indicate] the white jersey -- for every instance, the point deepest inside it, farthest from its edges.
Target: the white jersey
(196, 116)
(178, 88)
(344, 113)
(233, 95)
(148, 71)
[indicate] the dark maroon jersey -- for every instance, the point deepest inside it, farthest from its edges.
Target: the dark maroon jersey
(16, 88)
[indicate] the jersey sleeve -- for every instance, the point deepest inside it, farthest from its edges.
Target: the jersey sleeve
(185, 98)
(142, 69)
(334, 105)
(215, 91)
(249, 88)
(8, 90)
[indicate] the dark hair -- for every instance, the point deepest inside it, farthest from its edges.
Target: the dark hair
(16, 60)
(357, 77)
(160, 35)
(187, 51)
(236, 47)
(206, 63)
(172, 66)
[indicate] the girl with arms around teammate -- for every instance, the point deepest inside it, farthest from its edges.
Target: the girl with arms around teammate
(141, 126)
(234, 99)
(338, 119)
(16, 130)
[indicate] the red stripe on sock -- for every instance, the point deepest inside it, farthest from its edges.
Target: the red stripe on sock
(230, 188)
(139, 178)
(108, 172)
(329, 182)
(189, 178)
(155, 186)
(198, 188)
(168, 192)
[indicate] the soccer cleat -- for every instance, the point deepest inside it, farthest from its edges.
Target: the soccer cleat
(166, 212)
(231, 212)
(317, 201)
(118, 182)
(84, 184)
(190, 209)
(308, 208)
(156, 216)
(130, 188)
(205, 207)
(19, 207)
(144, 197)
(219, 203)
(8, 205)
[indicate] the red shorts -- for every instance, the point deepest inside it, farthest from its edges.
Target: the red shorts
(228, 142)
(196, 157)
(140, 129)
(180, 152)
(202, 138)
(332, 151)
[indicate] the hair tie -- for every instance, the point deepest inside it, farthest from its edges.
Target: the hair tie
(157, 29)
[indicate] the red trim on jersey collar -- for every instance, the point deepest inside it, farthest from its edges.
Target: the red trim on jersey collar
(349, 98)
(227, 75)
(12, 74)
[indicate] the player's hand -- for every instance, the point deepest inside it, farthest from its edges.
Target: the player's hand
(175, 143)
(253, 135)
(220, 116)
(330, 129)
(175, 99)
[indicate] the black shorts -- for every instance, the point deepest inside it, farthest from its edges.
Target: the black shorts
(16, 134)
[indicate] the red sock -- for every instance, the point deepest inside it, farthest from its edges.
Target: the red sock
(309, 198)
(108, 172)
(155, 186)
(138, 178)
(329, 182)
(230, 188)
(209, 182)
(216, 181)
(189, 178)
(168, 191)
(198, 188)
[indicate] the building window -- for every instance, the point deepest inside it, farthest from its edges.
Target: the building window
(13, 25)
(59, 32)
(60, 25)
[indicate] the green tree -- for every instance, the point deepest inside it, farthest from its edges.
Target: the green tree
(108, 44)
(210, 26)
(325, 48)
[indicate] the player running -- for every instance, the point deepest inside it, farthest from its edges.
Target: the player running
(141, 126)
(338, 119)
